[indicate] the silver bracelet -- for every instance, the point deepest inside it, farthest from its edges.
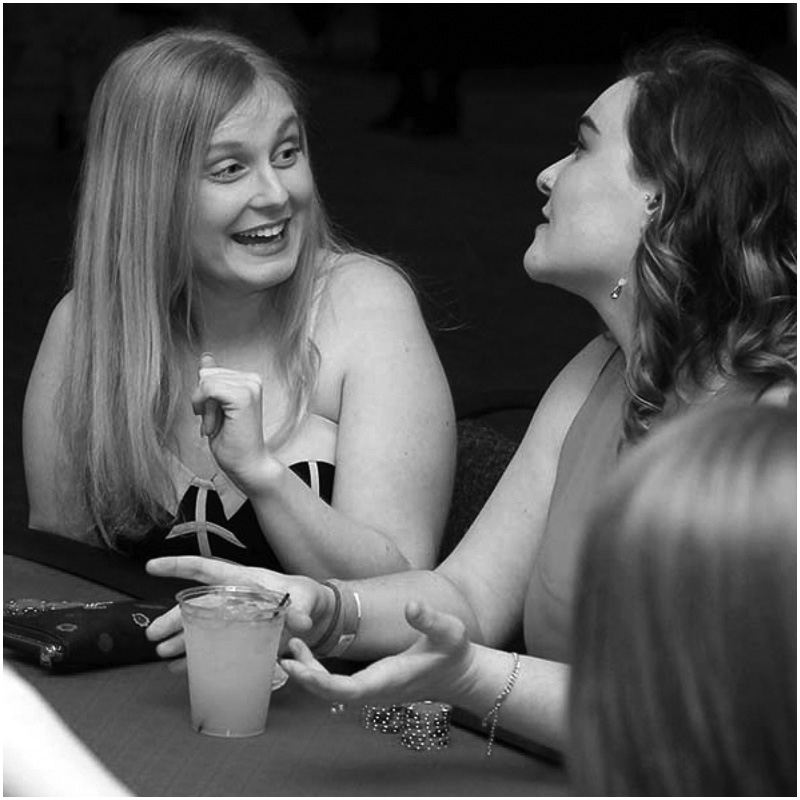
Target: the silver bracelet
(494, 713)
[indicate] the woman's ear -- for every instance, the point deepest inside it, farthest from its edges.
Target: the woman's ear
(652, 203)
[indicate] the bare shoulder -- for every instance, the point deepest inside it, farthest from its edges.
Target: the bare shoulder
(51, 357)
(361, 283)
(62, 313)
(581, 372)
(568, 392)
(60, 321)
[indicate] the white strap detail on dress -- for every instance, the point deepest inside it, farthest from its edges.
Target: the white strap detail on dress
(200, 526)
(313, 474)
(200, 521)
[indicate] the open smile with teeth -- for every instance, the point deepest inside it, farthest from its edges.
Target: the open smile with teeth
(262, 234)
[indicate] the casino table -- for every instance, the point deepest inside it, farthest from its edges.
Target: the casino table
(136, 718)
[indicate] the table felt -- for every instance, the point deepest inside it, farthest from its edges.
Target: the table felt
(136, 720)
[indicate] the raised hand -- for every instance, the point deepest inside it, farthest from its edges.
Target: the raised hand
(309, 612)
(229, 403)
(438, 665)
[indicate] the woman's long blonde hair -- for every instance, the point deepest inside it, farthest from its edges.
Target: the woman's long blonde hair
(684, 674)
(134, 296)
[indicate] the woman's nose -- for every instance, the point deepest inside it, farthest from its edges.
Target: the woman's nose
(269, 189)
(547, 177)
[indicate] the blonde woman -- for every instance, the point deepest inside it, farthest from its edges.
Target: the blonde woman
(675, 217)
(684, 676)
(224, 378)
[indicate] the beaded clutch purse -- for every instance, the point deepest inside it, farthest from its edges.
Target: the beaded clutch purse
(68, 636)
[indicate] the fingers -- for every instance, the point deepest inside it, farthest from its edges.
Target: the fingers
(165, 626)
(177, 666)
(198, 568)
(213, 571)
(379, 681)
(171, 648)
(220, 390)
(315, 678)
(212, 419)
(443, 630)
(303, 655)
(209, 409)
(298, 621)
(167, 630)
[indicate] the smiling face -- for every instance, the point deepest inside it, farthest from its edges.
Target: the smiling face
(595, 209)
(255, 196)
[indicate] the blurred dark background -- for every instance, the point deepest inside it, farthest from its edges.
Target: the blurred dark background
(448, 191)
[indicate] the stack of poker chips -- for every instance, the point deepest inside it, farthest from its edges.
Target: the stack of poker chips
(384, 719)
(427, 726)
(424, 725)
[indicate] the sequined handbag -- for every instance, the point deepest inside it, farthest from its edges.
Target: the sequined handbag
(70, 636)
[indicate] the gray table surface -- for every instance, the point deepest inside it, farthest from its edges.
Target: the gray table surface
(136, 719)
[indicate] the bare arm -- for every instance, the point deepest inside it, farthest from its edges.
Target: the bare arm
(395, 454)
(481, 590)
(444, 664)
(484, 581)
(46, 469)
(42, 757)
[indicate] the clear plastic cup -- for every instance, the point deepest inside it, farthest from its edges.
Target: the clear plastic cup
(232, 636)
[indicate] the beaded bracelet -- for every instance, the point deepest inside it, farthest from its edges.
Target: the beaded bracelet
(494, 713)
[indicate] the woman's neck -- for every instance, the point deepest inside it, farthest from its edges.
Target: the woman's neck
(617, 316)
(233, 327)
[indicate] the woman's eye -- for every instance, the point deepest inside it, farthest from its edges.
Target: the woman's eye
(287, 156)
(577, 147)
(228, 172)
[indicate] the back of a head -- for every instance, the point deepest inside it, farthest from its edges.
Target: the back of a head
(684, 671)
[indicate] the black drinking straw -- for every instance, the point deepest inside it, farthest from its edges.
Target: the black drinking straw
(283, 602)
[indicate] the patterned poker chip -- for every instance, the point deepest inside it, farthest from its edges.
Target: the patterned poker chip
(427, 726)
(384, 719)
(424, 725)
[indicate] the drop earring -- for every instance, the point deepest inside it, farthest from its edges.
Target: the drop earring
(617, 290)
(651, 205)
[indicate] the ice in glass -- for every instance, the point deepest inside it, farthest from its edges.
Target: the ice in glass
(232, 638)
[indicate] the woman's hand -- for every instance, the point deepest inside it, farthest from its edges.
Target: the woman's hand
(308, 615)
(229, 403)
(437, 666)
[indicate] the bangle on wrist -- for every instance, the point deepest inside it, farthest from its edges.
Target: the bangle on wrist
(490, 720)
(335, 616)
(344, 624)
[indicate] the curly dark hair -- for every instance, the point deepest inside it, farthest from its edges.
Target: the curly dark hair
(716, 270)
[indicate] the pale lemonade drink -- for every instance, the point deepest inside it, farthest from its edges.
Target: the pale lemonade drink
(232, 638)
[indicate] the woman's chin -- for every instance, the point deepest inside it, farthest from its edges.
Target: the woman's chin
(533, 266)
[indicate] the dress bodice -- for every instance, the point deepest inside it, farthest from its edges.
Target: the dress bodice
(212, 517)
